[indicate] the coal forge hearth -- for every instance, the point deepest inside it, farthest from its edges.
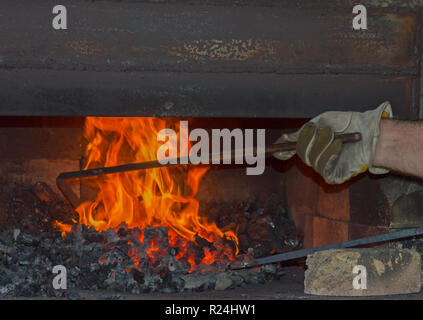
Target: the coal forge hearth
(224, 217)
(117, 259)
(171, 230)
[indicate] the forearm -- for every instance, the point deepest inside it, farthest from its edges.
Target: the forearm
(400, 147)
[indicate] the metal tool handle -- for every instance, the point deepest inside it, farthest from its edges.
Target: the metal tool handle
(290, 146)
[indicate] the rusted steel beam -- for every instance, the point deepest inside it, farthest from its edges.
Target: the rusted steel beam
(304, 4)
(207, 58)
(72, 93)
(202, 37)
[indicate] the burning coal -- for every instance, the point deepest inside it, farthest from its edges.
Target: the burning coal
(159, 197)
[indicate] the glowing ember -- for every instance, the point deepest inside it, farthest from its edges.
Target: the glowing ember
(66, 228)
(154, 197)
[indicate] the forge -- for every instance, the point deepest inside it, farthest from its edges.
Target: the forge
(98, 94)
(166, 229)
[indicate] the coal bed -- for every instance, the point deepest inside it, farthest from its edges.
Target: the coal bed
(129, 260)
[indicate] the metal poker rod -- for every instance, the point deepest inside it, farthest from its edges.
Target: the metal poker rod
(280, 147)
(63, 178)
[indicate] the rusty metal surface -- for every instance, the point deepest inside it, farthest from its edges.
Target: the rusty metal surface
(208, 58)
(305, 4)
(67, 93)
(112, 36)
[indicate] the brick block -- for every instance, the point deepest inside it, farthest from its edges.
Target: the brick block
(308, 231)
(33, 170)
(334, 202)
(327, 231)
(301, 193)
(389, 271)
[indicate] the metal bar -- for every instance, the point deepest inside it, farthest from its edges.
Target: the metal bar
(347, 244)
(287, 146)
(63, 178)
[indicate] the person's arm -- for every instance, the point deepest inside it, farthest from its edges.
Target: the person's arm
(400, 147)
(336, 162)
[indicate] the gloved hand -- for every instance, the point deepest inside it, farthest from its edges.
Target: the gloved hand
(335, 162)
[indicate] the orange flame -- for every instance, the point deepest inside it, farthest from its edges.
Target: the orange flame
(154, 197)
(65, 228)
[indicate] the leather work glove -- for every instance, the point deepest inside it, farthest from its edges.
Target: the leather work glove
(335, 162)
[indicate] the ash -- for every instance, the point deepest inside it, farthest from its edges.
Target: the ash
(114, 260)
